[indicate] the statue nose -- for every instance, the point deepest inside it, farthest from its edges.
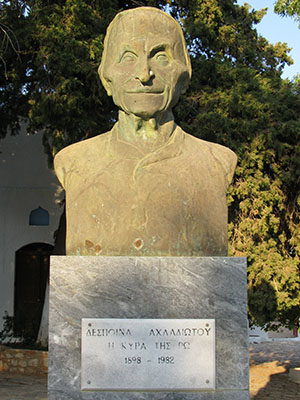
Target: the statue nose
(143, 72)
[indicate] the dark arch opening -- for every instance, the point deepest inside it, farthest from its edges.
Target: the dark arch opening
(31, 274)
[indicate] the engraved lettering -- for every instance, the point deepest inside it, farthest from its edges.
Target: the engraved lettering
(133, 360)
(207, 331)
(163, 345)
(179, 332)
(184, 345)
(155, 348)
(165, 360)
(108, 332)
(133, 346)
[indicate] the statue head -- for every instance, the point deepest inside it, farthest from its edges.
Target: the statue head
(145, 63)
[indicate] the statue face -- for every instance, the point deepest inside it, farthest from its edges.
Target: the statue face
(145, 69)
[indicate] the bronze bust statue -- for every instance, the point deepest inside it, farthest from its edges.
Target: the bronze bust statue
(145, 188)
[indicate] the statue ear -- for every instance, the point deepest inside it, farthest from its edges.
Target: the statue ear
(107, 85)
(185, 81)
(105, 82)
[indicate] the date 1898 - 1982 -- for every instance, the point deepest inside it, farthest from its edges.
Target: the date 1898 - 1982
(160, 360)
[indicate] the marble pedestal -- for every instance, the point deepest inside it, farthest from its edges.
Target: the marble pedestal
(148, 287)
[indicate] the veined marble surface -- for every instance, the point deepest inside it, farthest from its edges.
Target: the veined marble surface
(148, 287)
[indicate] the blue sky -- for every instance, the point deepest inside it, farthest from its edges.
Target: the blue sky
(279, 29)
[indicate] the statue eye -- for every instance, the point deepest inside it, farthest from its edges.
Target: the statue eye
(128, 56)
(162, 57)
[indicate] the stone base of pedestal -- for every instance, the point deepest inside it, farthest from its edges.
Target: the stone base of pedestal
(148, 288)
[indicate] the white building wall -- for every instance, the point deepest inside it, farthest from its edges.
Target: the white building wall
(26, 183)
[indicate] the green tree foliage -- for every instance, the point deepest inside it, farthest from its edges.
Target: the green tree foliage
(53, 81)
(237, 98)
(289, 8)
(50, 53)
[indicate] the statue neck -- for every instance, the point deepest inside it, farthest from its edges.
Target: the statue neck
(147, 135)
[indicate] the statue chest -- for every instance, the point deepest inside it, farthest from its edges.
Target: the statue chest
(171, 207)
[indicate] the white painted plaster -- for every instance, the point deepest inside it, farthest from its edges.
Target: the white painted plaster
(26, 183)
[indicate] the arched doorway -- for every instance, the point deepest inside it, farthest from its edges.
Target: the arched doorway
(31, 274)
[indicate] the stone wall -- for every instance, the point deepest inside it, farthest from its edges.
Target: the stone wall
(26, 362)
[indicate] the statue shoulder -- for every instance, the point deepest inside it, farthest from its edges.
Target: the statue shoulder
(77, 153)
(225, 158)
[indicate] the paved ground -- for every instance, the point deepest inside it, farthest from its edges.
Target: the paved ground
(269, 364)
(20, 387)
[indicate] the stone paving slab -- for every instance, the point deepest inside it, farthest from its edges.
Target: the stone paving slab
(286, 352)
(21, 387)
(269, 365)
(271, 381)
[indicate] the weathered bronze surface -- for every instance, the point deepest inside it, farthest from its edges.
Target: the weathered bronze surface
(146, 187)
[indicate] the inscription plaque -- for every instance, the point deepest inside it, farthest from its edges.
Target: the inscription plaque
(148, 354)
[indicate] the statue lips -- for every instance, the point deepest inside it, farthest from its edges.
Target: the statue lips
(146, 88)
(145, 100)
(145, 91)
